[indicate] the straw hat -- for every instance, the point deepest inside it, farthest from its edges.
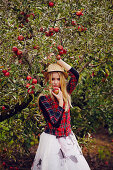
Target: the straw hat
(55, 68)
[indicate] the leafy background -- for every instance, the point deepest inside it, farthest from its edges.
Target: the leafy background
(89, 52)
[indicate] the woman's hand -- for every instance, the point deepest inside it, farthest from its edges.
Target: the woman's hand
(59, 96)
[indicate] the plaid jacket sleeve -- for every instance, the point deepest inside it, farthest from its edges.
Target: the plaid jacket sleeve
(53, 117)
(73, 80)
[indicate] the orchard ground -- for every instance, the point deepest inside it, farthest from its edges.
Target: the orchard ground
(98, 151)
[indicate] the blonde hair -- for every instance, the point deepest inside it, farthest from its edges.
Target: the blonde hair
(66, 96)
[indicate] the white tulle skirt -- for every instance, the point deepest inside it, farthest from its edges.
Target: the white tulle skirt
(62, 153)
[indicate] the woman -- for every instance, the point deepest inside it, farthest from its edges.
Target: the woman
(58, 148)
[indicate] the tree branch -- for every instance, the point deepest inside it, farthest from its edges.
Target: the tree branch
(86, 64)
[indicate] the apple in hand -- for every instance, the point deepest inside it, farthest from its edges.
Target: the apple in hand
(56, 91)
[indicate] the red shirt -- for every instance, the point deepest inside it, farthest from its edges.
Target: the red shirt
(57, 120)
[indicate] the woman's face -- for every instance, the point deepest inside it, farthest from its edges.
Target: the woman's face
(55, 80)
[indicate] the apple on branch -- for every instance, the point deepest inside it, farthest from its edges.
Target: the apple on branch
(29, 77)
(58, 57)
(14, 49)
(56, 29)
(19, 52)
(51, 4)
(79, 13)
(36, 47)
(4, 71)
(60, 47)
(7, 74)
(3, 108)
(34, 81)
(27, 85)
(20, 37)
(51, 29)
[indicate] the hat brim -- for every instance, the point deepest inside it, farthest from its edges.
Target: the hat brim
(46, 73)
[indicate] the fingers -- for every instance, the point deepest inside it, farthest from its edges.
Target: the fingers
(58, 94)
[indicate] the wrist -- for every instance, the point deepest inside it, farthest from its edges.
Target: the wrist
(61, 103)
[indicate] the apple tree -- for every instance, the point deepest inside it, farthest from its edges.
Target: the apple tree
(33, 33)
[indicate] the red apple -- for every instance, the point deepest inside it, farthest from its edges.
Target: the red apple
(16, 168)
(33, 87)
(29, 77)
(34, 81)
(20, 37)
(79, 13)
(19, 52)
(56, 29)
(61, 52)
(51, 4)
(64, 51)
(58, 57)
(106, 163)
(51, 29)
(60, 47)
(22, 13)
(73, 22)
(14, 49)
(7, 74)
(4, 164)
(27, 85)
(3, 107)
(56, 91)
(51, 33)
(27, 20)
(47, 33)
(21, 61)
(4, 71)
(41, 29)
(36, 47)
(30, 91)
(28, 15)
(32, 14)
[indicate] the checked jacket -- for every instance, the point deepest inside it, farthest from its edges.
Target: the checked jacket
(57, 120)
